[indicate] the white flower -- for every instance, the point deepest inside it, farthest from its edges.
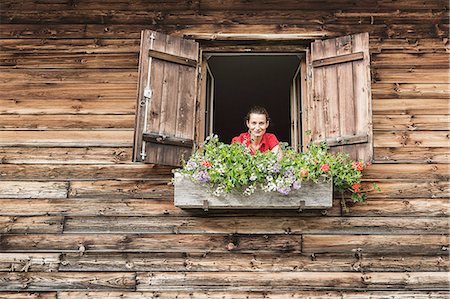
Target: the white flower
(253, 177)
(249, 190)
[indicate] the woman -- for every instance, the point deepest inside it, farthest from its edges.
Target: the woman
(257, 139)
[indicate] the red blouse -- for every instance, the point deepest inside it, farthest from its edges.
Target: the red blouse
(268, 142)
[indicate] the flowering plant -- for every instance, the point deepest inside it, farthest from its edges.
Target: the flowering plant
(226, 168)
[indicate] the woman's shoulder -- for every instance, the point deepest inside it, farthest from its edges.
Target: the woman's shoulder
(240, 137)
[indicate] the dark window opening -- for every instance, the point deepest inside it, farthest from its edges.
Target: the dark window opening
(241, 81)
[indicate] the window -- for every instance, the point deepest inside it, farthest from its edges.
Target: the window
(322, 87)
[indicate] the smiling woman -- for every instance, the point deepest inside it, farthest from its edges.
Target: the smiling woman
(257, 139)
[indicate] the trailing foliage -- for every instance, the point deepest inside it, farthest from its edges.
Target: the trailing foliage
(231, 168)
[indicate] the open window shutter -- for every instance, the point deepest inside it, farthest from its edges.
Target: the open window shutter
(166, 99)
(340, 110)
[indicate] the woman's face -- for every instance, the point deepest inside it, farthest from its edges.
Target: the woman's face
(257, 124)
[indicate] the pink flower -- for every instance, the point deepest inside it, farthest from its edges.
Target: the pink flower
(325, 167)
(304, 172)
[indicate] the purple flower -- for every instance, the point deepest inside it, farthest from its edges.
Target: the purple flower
(202, 176)
(297, 185)
(190, 165)
(284, 190)
(276, 167)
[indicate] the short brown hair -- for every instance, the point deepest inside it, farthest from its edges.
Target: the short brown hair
(257, 110)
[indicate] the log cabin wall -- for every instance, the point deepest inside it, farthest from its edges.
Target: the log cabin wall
(78, 219)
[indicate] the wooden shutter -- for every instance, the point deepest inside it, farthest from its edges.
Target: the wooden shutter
(166, 99)
(340, 110)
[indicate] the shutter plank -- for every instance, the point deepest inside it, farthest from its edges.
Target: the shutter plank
(346, 107)
(154, 110)
(338, 59)
(361, 85)
(317, 119)
(167, 154)
(331, 102)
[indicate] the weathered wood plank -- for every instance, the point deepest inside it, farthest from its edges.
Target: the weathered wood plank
(90, 5)
(423, 45)
(29, 262)
(419, 244)
(411, 122)
(87, 172)
(30, 225)
(65, 155)
(408, 171)
(43, 281)
(410, 90)
(79, 76)
(66, 106)
(62, 90)
(256, 225)
(245, 281)
(69, 61)
(402, 207)
(156, 188)
(411, 75)
(411, 139)
(410, 60)
(142, 207)
(272, 294)
(411, 106)
(70, 138)
(66, 122)
(18, 189)
(408, 189)
(70, 45)
(194, 243)
(27, 295)
(254, 262)
(418, 155)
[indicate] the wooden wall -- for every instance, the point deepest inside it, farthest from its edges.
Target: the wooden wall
(78, 219)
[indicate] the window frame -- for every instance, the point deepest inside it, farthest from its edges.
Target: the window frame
(255, 47)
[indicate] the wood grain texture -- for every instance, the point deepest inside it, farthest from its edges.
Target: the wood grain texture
(27, 295)
(103, 206)
(42, 281)
(34, 262)
(30, 225)
(245, 281)
(195, 243)
(19, 189)
(65, 155)
(87, 172)
(256, 225)
(419, 244)
(214, 294)
(255, 262)
(109, 138)
(419, 155)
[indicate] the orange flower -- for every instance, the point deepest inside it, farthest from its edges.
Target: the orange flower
(356, 187)
(325, 167)
(358, 166)
(304, 172)
(206, 163)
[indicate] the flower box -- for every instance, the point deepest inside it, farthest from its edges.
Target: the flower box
(189, 194)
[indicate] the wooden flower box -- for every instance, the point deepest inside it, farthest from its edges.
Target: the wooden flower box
(189, 195)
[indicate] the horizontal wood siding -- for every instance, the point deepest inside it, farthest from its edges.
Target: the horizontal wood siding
(78, 219)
